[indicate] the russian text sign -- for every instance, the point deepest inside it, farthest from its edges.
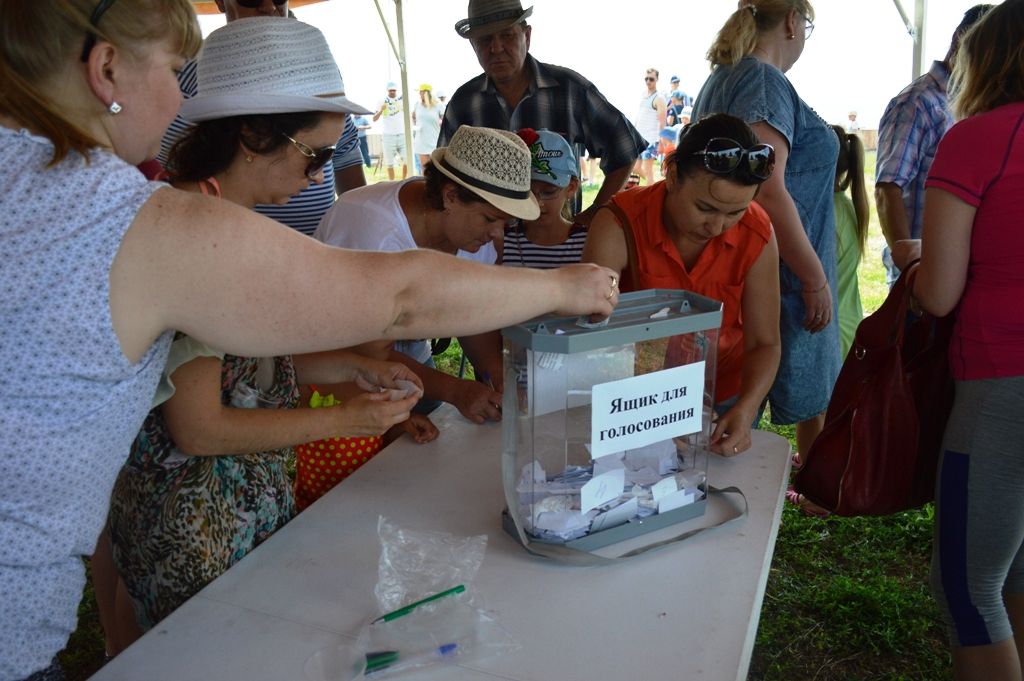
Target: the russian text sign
(634, 412)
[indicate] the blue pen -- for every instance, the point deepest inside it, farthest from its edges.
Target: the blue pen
(394, 661)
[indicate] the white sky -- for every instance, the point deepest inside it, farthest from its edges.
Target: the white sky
(857, 59)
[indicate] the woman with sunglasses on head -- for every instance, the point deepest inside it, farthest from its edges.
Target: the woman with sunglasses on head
(101, 266)
(205, 482)
(754, 49)
(972, 256)
(699, 230)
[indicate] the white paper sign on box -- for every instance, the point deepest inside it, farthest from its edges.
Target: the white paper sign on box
(633, 412)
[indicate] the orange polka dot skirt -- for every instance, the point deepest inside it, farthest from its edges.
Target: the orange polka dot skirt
(321, 465)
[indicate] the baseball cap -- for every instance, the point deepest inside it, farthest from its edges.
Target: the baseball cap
(551, 158)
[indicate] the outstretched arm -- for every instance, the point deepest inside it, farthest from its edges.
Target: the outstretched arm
(249, 286)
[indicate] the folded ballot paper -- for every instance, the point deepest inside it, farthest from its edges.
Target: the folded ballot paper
(613, 490)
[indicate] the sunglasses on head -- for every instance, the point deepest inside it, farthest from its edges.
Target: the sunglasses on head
(253, 4)
(318, 158)
(724, 156)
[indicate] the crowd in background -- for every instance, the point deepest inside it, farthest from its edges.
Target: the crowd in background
(190, 361)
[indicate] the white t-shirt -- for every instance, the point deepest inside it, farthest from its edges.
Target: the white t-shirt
(370, 218)
(391, 121)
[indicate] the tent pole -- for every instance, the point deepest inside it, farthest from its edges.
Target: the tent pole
(399, 52)
(406, 113)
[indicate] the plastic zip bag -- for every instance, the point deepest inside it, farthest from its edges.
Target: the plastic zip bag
(431, 613)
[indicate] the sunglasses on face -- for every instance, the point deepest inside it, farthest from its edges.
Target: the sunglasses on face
(253, 4)
(649, 79)
(318, 158)
(723, 156)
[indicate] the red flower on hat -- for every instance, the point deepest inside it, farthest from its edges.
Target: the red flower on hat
(528, 135)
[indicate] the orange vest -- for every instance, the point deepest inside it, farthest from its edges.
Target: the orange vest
(719, 273)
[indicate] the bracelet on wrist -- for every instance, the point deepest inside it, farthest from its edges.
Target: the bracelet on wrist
(816, 290)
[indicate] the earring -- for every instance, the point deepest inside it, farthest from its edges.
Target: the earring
(248, 158)
(114, 108)
(791, 36)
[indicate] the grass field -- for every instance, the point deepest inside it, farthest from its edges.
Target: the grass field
(847, 598)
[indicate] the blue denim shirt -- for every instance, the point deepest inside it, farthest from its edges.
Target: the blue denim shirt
(759, 92)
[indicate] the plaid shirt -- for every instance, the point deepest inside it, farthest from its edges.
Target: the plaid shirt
(559, 100)
(908, 135)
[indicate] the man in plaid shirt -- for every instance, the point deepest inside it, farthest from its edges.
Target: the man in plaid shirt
(517, 91)
(908, 135)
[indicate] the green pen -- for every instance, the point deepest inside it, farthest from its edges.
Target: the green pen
(405, 610)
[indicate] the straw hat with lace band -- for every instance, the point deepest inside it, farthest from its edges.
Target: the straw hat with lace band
(494, 165)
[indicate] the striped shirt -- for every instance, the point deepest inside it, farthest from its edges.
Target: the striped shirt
(303, 211)
(518, 251)
(908, 136)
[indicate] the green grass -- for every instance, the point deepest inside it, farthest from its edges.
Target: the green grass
(847, 598)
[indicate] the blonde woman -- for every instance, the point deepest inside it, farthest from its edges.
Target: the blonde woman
(427, 115)
(100, 267)
(755, 48)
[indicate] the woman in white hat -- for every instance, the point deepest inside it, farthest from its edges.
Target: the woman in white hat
(468, 193)
(205, 482)
(100, 266)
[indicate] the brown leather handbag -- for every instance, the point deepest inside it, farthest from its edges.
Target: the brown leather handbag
(878, 451)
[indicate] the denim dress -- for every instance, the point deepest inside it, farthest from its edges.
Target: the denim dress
(756, 92)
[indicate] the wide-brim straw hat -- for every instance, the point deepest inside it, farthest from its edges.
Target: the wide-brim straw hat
(490, 16)
(267, 65)
(494, 165)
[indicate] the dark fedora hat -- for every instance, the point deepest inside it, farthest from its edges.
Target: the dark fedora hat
(490, 16)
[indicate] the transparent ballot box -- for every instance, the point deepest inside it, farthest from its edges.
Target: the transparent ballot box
(605, 427)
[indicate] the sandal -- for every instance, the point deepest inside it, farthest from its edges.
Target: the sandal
(806, 507)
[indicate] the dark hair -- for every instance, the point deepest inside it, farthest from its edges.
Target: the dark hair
(434, 192)
(695, 137)
(209, 147)
(850, 175)
(970, 18)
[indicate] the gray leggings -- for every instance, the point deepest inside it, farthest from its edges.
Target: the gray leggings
(978, 551)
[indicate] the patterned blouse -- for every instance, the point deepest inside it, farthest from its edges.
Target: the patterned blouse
(178, 521)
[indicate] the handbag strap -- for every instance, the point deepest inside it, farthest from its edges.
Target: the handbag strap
(886, 326)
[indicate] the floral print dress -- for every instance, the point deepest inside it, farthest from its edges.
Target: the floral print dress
(177, 521)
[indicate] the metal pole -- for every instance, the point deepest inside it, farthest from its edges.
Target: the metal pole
(405, 86)
(916, 31)
(920, 14)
